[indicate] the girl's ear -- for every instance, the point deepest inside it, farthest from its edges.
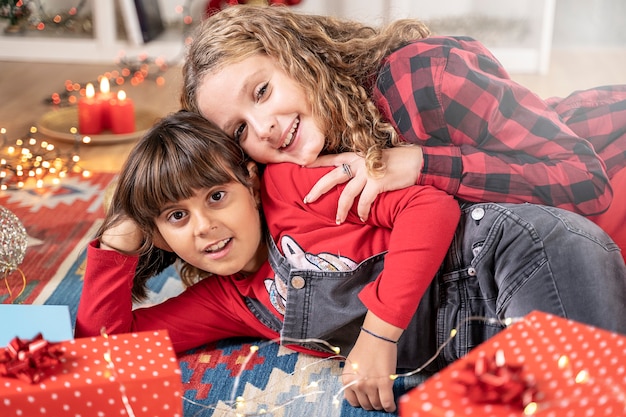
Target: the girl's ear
(159, 242)
(255, 181)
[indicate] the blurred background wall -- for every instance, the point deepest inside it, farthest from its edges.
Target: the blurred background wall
(553, 46)
(597, 23)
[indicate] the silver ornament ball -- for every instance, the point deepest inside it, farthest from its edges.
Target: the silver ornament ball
(13, 242)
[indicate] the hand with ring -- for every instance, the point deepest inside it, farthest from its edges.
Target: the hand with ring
(347, 170)
(403, 166)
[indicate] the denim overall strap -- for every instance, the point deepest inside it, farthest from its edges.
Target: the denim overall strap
(325, 305)
(281, 268)
(322, 306)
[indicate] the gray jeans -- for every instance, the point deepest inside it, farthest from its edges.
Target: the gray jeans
(509, 259)
(505, 261)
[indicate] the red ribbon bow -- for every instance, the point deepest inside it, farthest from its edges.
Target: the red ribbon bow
(28, 360)
(492, 380)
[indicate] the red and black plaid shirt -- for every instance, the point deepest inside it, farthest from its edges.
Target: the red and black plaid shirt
(487, 138)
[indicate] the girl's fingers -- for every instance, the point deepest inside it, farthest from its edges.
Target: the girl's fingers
(337, 176)
(347, 197)
(348, 165)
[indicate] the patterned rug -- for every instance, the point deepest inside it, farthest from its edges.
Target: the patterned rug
(229, 378)
(58, 221)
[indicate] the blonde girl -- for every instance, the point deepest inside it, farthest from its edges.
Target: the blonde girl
(348, 87)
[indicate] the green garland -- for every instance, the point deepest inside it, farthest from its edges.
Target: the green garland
(14, 10)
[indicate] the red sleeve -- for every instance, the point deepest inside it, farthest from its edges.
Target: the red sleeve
(423, 221)
(418, 222)
(210, 310)
(106, 300)
(485, 137)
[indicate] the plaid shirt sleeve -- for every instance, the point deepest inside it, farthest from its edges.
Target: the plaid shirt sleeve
(485, 137)
(599, 115)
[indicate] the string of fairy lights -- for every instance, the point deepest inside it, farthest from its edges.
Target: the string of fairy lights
(261, 404)
(32, 157)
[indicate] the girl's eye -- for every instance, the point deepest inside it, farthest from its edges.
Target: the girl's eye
(176, 216)
(258, 95)
(217, 196)
(261, 91)
(239, 132)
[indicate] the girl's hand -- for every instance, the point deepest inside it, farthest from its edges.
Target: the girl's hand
(124, 237)
(370, 364)
(403, 166)
(367, 374)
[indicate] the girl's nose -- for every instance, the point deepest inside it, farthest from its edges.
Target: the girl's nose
(203, 225)
(264, 126)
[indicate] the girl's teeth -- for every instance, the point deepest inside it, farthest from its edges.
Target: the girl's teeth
(217, 246)
(289, 137)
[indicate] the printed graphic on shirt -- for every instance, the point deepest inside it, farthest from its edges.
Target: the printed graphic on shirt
(300, 259)
(277, 290)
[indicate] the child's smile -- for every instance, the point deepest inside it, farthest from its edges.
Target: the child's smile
(218, 246)
(217, 230)
(291, 134)
(264, 109)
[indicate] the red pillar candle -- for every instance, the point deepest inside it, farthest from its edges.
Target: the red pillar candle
(89, 113)
(105, 96)
(122, 113)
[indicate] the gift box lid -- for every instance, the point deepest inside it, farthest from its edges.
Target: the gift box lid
(27, 320)
(110, 375)
(542, 365)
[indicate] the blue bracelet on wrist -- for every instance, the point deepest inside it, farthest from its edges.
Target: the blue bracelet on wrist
(386, 339)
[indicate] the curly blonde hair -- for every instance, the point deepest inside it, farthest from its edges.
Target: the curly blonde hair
(335, 60)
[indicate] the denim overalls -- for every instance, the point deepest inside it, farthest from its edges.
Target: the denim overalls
(505, 261)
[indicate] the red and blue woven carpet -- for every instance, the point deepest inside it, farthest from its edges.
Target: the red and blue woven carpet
(228, 378)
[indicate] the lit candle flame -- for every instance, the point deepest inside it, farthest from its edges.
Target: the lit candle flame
(90, 91)
(105, 87)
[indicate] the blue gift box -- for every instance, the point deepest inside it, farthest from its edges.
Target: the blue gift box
(26, 321)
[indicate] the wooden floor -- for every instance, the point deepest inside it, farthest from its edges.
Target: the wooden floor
(24, 87)
(579, 68)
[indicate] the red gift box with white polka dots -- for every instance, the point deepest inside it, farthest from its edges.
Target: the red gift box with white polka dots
(542, 365)
(111, 375)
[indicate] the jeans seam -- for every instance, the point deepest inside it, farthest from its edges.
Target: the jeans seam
(607, 245)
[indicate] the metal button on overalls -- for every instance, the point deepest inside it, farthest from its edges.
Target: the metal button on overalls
(478, 213)
(297, 282)
(471, 271)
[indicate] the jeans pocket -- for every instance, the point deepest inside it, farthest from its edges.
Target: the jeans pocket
(467, 316)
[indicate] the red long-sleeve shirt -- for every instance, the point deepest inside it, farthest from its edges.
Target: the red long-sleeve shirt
(487, 138)
(414, 225)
